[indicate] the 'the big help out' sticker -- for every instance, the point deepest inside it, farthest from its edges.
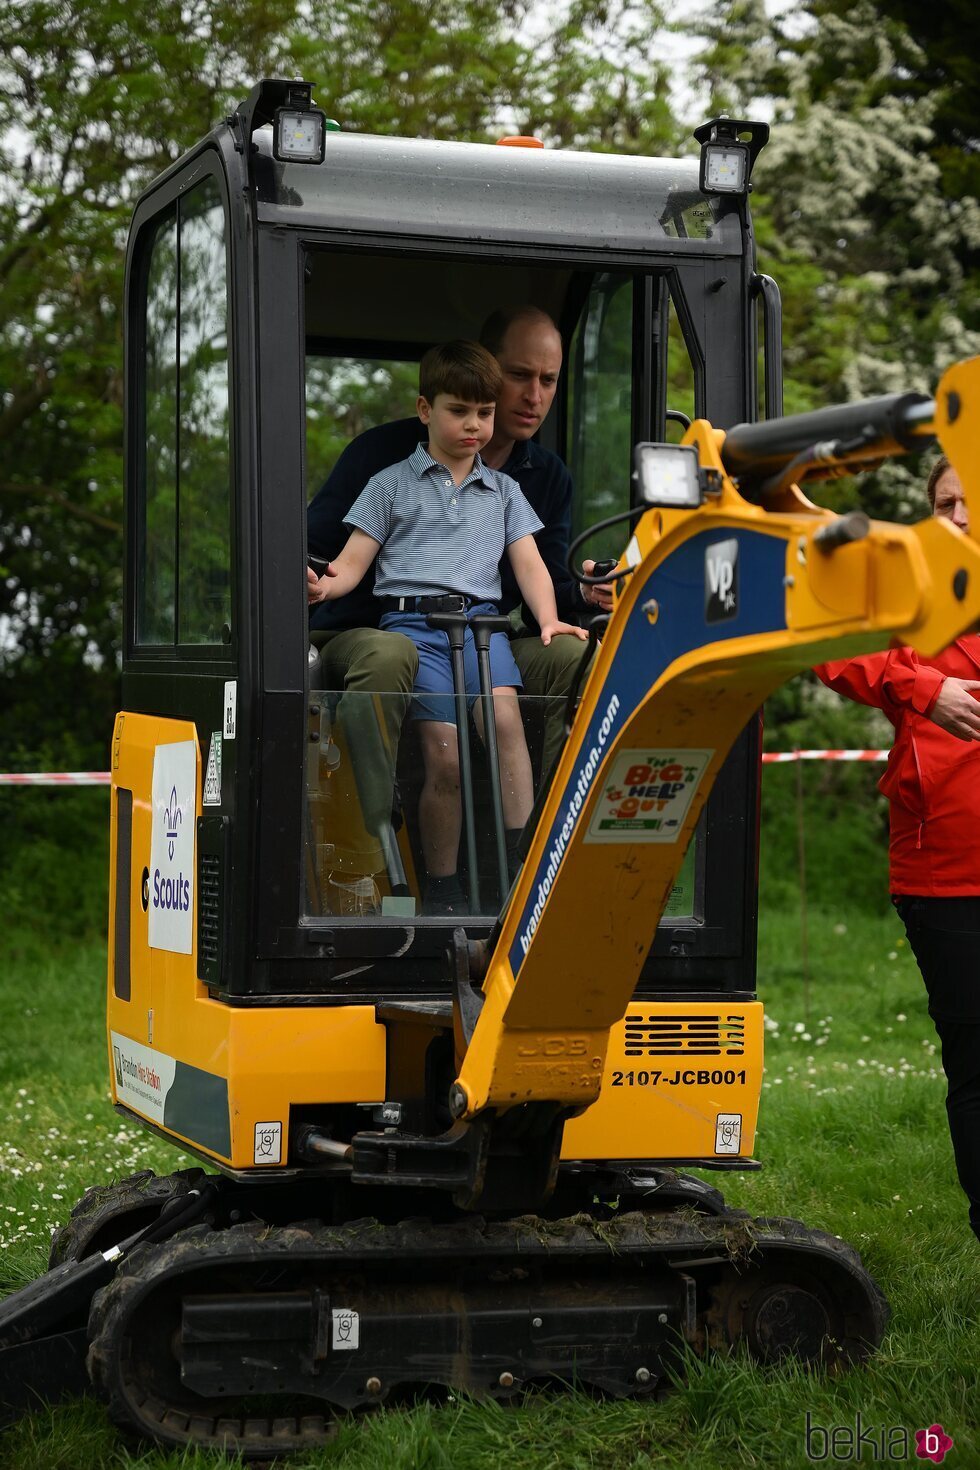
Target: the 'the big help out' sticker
(172, 847)
(646, 794)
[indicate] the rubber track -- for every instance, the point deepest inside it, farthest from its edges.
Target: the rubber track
(117, 1210)
(116, 1326)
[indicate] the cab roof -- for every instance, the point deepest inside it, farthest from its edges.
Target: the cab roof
(490, 195)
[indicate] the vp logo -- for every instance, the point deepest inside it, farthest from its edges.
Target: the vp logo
(721, 581)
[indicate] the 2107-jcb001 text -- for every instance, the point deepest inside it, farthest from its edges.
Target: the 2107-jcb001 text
(688, 1078)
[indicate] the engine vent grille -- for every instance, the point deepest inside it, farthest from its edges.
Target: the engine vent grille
(209, 898)
(212, 899)
(691, 1036)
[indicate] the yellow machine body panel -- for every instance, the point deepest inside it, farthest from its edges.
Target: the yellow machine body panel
(682, 1081)
(219, 1078)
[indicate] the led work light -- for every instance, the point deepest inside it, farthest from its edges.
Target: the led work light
(668, 475)
(728, 150)
(299, 135)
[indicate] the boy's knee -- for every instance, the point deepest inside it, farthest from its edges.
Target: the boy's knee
(507, 717)
(440, 750)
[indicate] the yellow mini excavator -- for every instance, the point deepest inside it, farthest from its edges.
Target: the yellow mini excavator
(448, 1152)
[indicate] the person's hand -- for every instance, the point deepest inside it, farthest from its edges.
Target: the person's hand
(549, 630)
(956, 709)
(600, 597)
(317, 588)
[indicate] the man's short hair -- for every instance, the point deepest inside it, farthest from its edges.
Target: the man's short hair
(935, 475)
(464, 369)
(499, 323)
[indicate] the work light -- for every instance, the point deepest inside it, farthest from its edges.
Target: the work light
(299, 135)
(728, 150)
(668, 475)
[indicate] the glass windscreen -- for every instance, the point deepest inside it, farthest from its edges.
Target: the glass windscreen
(370, 824)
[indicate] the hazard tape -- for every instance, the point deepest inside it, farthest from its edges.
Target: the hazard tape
(778, 756)
(55, 778)
(101, 778)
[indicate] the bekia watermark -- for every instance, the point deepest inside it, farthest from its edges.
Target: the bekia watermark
(873, 1443)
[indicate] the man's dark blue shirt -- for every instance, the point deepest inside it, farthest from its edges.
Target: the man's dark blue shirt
(541, 475)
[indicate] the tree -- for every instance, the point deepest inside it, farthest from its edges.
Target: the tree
(872, 256)
(97, 97)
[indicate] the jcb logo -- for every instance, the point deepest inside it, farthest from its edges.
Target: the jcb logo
(721, 581)
(553, 1046)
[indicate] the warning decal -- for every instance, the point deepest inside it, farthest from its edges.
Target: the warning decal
(212, 776)
(646, 795)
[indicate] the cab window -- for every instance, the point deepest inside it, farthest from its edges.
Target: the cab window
(183, 594)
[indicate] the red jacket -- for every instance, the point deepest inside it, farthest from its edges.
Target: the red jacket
(932, 779)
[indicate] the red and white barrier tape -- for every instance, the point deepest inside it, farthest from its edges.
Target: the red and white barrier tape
(101, 778)
(55, 778)
(778, 756)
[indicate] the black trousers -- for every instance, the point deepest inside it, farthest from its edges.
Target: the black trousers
(945, 937)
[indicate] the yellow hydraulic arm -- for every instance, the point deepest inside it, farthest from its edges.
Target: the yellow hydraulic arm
(724, 603)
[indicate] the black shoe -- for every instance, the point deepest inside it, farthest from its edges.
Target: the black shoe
(445, 908)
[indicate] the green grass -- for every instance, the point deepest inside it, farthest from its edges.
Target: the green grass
(853, 1139)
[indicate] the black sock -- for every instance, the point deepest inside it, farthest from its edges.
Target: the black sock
(447, 889)
(512, 840)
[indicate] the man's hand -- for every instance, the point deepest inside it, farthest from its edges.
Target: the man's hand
(548, 631)
(317, 587)
(956, 709)
(600, 597)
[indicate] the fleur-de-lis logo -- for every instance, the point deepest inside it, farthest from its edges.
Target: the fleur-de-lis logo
(173, 817)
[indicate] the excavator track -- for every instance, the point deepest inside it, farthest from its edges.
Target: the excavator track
(252, 1338)
(107, 1213)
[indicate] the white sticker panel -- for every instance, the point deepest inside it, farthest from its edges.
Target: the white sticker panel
(171, 917)
(143, 1076)
(212, 776)
(728, 1133)
(268, 1143)
(231, 707)
(346, 1329)
(646, 794)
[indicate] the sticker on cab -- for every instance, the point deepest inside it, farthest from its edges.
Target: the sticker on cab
(172, 833)
(646, 795)
(212, 776)
(728, 1133)
(268, 1143)
(346, 1329)
(144, 1077)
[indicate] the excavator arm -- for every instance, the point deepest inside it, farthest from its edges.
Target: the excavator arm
(723, 603)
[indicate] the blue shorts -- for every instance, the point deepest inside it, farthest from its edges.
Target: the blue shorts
(434, 681)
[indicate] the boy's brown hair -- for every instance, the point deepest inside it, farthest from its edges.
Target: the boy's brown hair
(463, 369)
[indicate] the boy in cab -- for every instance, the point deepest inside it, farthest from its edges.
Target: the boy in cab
(439, 523)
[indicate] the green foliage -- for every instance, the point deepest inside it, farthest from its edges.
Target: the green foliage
(95, 100)
(54, 863)
(873, 253)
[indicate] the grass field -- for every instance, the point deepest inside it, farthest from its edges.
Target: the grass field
(853, 1138)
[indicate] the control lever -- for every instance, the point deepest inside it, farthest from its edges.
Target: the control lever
(484, 625)
(453, 624)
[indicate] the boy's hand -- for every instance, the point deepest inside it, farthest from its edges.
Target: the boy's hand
(318, 588)
(549, 630)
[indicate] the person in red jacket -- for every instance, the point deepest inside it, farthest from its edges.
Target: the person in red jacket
(932, 782)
